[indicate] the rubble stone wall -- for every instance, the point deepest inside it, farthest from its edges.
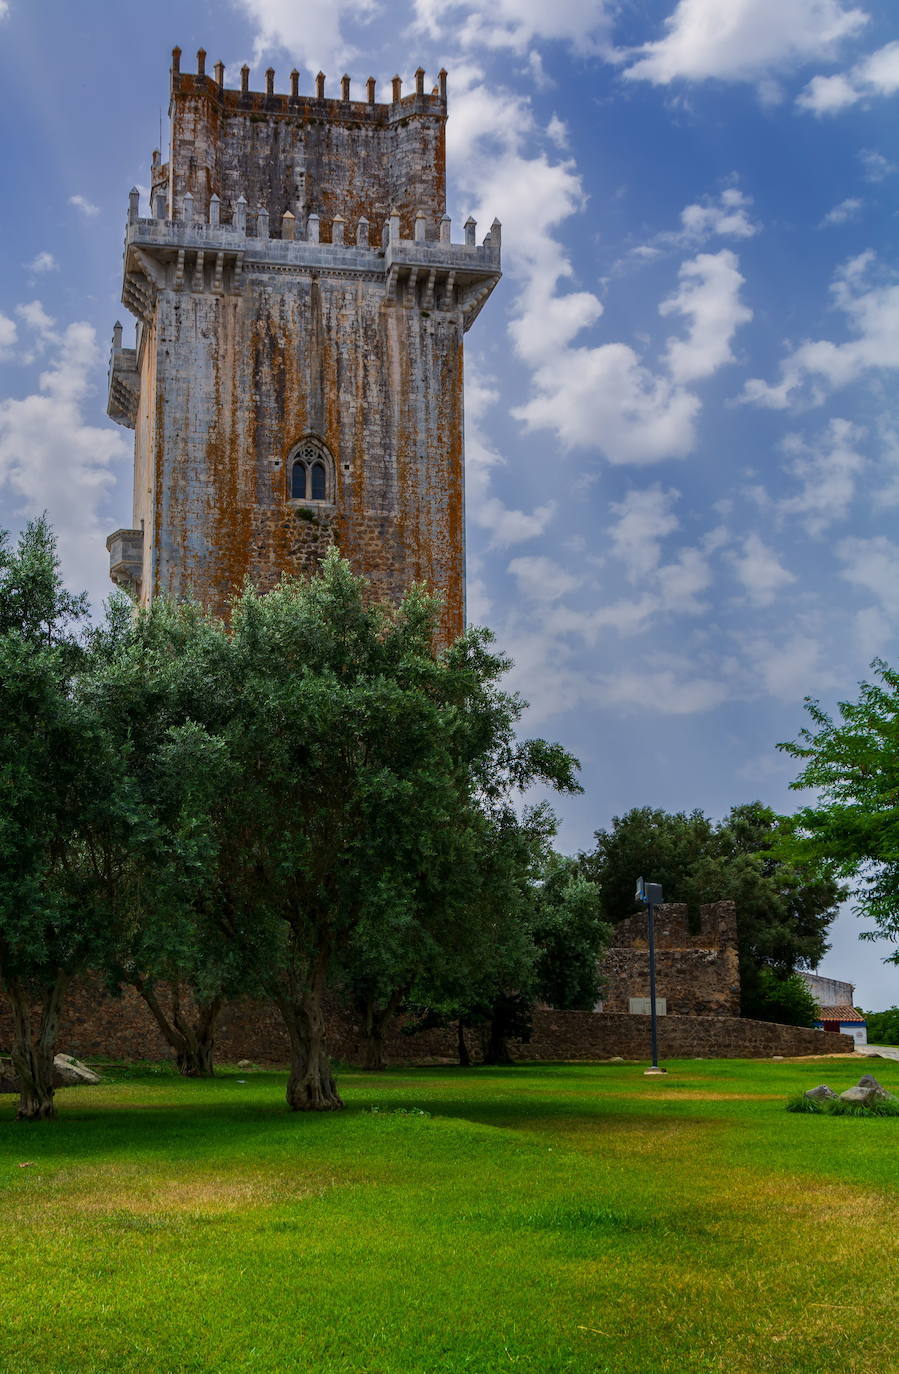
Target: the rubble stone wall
(94, 1024)
(697, 971)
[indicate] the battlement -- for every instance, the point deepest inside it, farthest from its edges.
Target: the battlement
(315, 105)
(186, 254)
(306, 154)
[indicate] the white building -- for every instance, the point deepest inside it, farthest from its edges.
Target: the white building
(835, 1006)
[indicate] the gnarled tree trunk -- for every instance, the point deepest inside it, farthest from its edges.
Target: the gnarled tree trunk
(311, 1086)
(192, 1040)
(34, 1048)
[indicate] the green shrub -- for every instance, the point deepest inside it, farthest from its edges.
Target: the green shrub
(883, 1026)
(781, 997)
(801, 1103)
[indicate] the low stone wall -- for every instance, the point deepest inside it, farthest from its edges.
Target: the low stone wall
(589, 1035)
(95, 1024)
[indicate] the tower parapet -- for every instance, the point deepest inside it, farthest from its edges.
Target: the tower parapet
(297, 375)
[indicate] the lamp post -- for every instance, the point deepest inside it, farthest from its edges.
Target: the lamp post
(650, 894)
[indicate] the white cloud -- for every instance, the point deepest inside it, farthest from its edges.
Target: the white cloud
(505, 524)
(681, 581)
(642, 520)
(709, 297)
(760, 571)
(84, 205)
(8, 336)
(744, 40)
(828, 472)
(841, 214)
(312, 33)
(541, 579)
(790, 668)
(875, 167)
(44, 262)
(818, 366)
(876, 75)
(662, 689)
(516, 24)
(873, 563)
(557, 132)
(605, 399)
(36, 317)
(728, 217)
(50, 459)
(4, 8)
(602, 397)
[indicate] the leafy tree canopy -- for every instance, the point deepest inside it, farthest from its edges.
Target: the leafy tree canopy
(784, 906)
(852, 832)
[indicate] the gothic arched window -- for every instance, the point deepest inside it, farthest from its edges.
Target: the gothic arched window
(311, 472)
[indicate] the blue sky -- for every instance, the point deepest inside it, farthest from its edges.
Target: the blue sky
(683, 430)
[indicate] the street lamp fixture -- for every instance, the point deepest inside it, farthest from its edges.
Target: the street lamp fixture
(650, 894)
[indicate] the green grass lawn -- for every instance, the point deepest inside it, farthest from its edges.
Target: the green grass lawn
(539, 1218)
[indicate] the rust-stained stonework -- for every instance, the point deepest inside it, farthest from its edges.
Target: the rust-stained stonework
(296, 280)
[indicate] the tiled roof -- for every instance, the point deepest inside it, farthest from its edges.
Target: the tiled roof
(842, 1013)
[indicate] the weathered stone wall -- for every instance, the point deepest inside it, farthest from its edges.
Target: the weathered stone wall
(95, 1024)
(697, 971)
(296, 279)
(246, 378)
(306, 155)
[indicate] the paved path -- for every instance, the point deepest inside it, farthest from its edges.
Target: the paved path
(883, 1051)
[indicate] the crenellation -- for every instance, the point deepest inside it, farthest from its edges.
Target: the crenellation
(263, 325)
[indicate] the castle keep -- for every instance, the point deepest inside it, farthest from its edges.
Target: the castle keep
(296, 378)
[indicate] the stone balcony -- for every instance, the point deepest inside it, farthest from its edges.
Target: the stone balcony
(188, 255)
(126, 560)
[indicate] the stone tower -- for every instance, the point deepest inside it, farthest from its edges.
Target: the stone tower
(296, 378)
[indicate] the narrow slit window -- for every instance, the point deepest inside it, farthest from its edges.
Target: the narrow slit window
(319, 490)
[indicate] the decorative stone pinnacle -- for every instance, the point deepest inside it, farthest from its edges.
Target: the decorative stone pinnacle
(270, 81)
(201, 62)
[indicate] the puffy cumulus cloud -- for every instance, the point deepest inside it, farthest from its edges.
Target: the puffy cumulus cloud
(760, 571)
(788, 668)
(312, 33)
(874, 565)
(8, 336)
(818, 366)
(542, 579)
(89, 210)
(516, 24)
(642, 521)
(847, 210)
(52, 460)
(875, 75)
(728, 217)
(43, 262)
(602, 397)
(725, 215)
(828, 471)
(743, 40)
(709, 297)
(506, 525)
